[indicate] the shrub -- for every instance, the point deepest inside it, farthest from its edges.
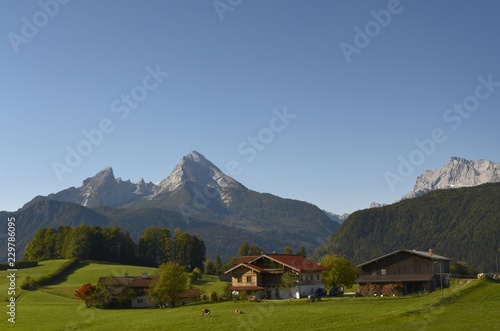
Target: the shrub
(29, 283)
(213, 297)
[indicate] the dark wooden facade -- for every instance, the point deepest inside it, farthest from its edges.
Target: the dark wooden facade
(403, 272)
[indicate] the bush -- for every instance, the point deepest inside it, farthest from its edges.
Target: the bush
(31, 284)
(213, 297)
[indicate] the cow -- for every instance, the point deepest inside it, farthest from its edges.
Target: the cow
(237, 312)
(205, 312)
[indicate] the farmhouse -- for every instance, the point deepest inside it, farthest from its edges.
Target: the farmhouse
(403, 272)
(260, 276)
(130, 292)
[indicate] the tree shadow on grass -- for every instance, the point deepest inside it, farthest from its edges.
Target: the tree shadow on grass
(63, 276)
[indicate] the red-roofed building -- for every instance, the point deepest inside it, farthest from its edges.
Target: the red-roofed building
(139, 285)
(260, 276)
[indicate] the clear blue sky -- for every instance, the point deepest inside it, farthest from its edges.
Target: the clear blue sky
(351, 104)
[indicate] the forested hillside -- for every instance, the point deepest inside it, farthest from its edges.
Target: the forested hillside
(462, 224)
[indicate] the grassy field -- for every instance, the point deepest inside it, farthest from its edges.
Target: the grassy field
(467, 305)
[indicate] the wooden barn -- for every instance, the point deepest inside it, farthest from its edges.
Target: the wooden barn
(403, 272)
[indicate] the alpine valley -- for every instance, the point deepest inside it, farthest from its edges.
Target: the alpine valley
(453, 210)
(196, 197)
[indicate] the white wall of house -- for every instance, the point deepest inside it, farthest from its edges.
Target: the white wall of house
(142, 302)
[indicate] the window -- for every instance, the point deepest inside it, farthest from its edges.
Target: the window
(239, 280)
(249, 279)
(383, 271)
(317, 277)
(140, 300)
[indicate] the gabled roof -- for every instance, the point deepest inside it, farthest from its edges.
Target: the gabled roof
(190, 293)
(141, 282)
(427, 255)
(246, 259)
(295, 262)
(128, 281)
(247, 265)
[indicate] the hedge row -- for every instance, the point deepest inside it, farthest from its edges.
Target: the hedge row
(31, 284)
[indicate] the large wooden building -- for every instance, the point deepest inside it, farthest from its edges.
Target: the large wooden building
(260, 276)
(403, 272)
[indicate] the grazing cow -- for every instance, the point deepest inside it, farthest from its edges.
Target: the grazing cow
(237, 312)
(205, 312)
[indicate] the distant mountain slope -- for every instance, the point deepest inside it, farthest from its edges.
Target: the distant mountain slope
(458, 172)
(48, 214)
(198, 191)
(220, 239)
(337, 218)
(462, 224)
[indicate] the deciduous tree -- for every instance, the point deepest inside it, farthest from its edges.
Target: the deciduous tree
(288, 281)
(171, 280)
(87, 293)
(244, 249)
(341, 271)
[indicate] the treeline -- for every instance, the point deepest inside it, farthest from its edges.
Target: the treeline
(156, 246)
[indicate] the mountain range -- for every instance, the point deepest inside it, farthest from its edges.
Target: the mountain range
(458, 172)
(196, 197)
(199, 198)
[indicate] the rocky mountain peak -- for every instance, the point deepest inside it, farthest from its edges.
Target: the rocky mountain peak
(458, 172)
(194, 167)
(192, 174)
(195, 157)
(99, 179)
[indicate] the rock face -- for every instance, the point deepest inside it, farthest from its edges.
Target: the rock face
(103, 189)
(377, 205)
(196, 170)
(459, 172)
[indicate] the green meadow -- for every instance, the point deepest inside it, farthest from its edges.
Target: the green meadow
(467, 304)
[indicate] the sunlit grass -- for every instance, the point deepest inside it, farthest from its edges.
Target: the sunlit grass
(467, 305)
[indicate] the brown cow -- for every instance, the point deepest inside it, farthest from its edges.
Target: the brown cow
(205, 312)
